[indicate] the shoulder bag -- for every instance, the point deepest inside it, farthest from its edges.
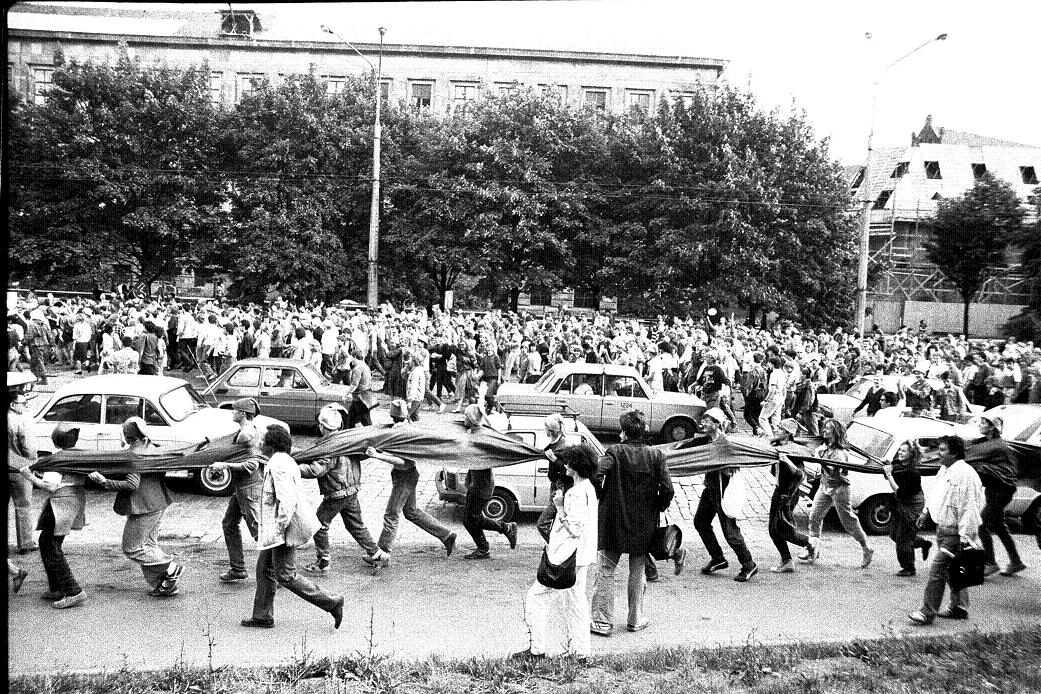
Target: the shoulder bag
(665, 541)
(557, 576)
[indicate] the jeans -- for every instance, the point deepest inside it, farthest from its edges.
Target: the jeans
(782, 524)
(480, 487)
(549, 612)
(21, 495)
(277, 567)
(244, 505)
(994, 522)
(829, 495)
(442, 382)
(726, 405)
(753, 406)
(349, 509)
(59, 575)
(903, 529)
(946, 539)
(768, 416)
(403, 501)
(186, 349)
(141, 544)
(603, 587)
(710, 506)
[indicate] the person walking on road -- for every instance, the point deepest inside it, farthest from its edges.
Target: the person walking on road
(636, 488)
(360, 387)
(954, 504)
(906, 506)
(247, 478)
(790, 475)
(20, 490)
(775, 395)
(284, 525)
(559, 479)
(710, 506)
(480, 485)
(998, 471)
(143, 498)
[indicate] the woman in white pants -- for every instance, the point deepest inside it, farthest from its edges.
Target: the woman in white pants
(558, 620)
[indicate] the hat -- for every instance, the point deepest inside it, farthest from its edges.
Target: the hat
(472, 415)
(994, 419)
(398, 409)
(135, 428)
(554, 422)
(65, 435)
(789, 425)
(330, 418)
(247, 405)
(716, 414)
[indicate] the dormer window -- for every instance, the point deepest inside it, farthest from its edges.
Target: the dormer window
(858, 180)
(978, 171)
(882, 199)
(1028, 174)
(932, 170)
(239, 23)
(900, 169)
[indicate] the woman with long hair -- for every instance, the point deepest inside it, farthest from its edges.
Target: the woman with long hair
(834, 491)
(906, 506)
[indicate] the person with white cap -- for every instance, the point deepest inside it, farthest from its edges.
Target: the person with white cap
(919, 395)
(143, 498)
(710, 506)
(998, 472)
(480, 485)
(247, 478)
(790, 475)
(339, 480)
(558, 476)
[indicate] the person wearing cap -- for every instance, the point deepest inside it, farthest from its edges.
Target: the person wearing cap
(339, 480)
(993, 462)
(20, 448)
(404, 478)
(790, 474)
(480, 485)
(919, 395)
(246, 481)
(558, 477)
(710, 506)
(143, 498)
(63, 511)
(360, 388)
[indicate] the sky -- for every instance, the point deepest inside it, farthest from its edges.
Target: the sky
(820, 57)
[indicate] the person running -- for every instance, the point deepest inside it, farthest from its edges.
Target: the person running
(993, 462)
(790, 475)
(480, 485)
(834, 491)
(246, 480)
(143, 498)
(906, 506)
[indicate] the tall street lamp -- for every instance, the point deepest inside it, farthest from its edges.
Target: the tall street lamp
(374, 208)
(865, 186)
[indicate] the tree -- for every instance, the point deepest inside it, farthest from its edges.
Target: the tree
(1027, 324)
(970, 234)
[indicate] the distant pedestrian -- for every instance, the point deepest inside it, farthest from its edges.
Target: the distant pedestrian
(905, 506)
(20, 491)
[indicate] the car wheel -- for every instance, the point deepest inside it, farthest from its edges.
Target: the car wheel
(875, 515)
(502, 506)
(213, 483)
(678, 430)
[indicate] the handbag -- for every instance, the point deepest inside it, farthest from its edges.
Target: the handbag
(966, 568)
(557, 576)
(665, 541)
(735, 496)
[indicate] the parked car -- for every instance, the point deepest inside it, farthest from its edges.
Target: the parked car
(599, 393)
(520, 487)
(287, 389)
(840, 406)
(177, 417)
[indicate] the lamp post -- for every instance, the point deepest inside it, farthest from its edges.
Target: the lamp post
(865, 220)
(374, 209)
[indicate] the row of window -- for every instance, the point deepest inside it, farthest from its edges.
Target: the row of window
(932, 171)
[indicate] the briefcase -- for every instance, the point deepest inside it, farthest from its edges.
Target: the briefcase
(665, 541)
(966, 568)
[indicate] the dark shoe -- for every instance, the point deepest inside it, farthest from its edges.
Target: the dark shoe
(953, 613)
(714, 565)
(258, 623)
(478, 554)
(164, 590)
(174, 571)
(449, 544)
(925, 550)
(18, 580)
(52, 595)
(1013, 569)
(70, 601)
(601, 628)
(322, 568)
(905, 572)
(990, 569)
(337, 613)
(654, 578)
(918, 617)
(744, 574)
(679, 559)
(27, 550)
(639, 626)
(511, 534)
(231, 575)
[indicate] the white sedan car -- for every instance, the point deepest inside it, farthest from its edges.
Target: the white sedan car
(175, 413)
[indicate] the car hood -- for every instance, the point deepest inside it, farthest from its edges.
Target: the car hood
(670, 398)
(837, 400)
(211, 423)
(337, 391)
(515, 389)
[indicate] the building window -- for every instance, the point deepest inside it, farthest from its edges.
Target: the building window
(639, 100)
(686, 98)
(422, 94)
(245, 83)
(335, 84)
(540, 296)
(216, 86)
(596, 99)
(385, 91)
(239, 23)
(1028, 174)
(901, 169)
(937, 196)
(506, 88)
(557, 91)
(462, 94)
(41, 83)
(932, 170)
(883, 198)
(978, 170)
(858, 180)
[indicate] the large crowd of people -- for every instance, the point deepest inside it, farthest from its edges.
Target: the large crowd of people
(440, 358)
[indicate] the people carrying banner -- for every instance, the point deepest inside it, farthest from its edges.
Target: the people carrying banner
(906, 506)
(480, 485)
(790, 474)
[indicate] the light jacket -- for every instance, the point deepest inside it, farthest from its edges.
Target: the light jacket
(338, 477)
(956, 500)
(285, 517)
(575, 527)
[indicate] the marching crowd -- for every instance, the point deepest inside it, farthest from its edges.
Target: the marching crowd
(600, 509)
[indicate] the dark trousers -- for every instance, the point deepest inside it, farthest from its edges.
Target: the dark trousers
(244, 505)
(277, 567)
(358, 413)
(711, 506)
(753, 408)
(994, 522)
(480, 487)
(149, 370)
(442, 383)
(59, 575)
(782, 523)
(186, 349)
(903, 529)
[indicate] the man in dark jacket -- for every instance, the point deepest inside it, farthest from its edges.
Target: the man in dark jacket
(997, 470)
(873, 400)
(637, 487)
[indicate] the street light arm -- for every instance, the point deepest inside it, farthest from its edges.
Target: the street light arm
(343, 40)
(941, 37)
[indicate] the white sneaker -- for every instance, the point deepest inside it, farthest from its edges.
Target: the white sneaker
(441, 410)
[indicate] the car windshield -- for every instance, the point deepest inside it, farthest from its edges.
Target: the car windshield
(541, 383)
(868, 441)
(316, 377)
(859, 390)
(181, 402)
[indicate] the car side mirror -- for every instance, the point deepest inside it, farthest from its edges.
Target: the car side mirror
(221, 391)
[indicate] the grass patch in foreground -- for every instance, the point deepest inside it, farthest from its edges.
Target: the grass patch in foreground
(973, 663)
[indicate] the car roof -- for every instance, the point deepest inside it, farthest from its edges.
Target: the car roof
(123, 384)
(569, 368)
(20, 378)
(908, 427)
(270, 361)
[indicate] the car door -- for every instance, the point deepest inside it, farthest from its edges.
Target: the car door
(588, 406)
(624, 393)
(241, 382)
(529, 480)
(83, 410)
(118, 409)
(285, 394)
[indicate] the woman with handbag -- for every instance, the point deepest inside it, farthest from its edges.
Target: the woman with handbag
(560, 609)
(906, 506)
